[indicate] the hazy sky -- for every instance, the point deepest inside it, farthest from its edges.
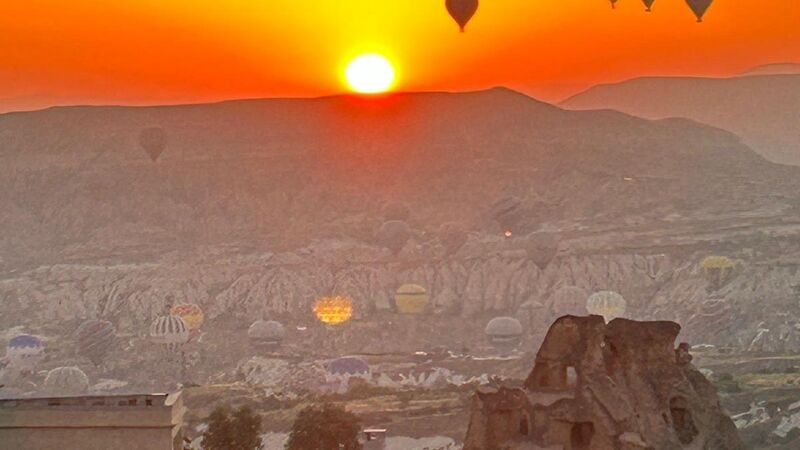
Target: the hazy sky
(149, 51)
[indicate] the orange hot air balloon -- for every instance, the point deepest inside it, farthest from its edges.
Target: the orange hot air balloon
(333, 310)
(462, 11)
(190, 313)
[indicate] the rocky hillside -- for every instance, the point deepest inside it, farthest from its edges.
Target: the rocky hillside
(255, 208)
(761, 108)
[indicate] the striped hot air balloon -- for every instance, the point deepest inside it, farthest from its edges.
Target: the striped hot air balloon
(95, 339)
(169, 331)
(69, 380)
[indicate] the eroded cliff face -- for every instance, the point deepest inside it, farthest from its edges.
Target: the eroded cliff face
(595, 386)
(753, 311)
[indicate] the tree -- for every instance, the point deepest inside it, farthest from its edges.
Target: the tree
(239, 431)
(326, 427)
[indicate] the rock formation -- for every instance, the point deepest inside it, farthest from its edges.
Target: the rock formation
(595, 386)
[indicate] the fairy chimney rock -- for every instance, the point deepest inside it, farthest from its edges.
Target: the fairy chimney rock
(622, 385)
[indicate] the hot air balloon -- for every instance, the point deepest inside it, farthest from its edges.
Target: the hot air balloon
(608, 304)
(568, 301)
(266, 333)
(717, 270)
(69, 380)
(170, 332)
(462, 11)
(393, 235)
(542, 247)
(699, 7)
(614, 4)
(191, 314)
(24, 352)
(504, 333)
(95, 338)
(349, 366)
(506, 212)
(395, 211)
(153, 141)
(411, 299)
(648, 4)
(333, 310)
(452, 237)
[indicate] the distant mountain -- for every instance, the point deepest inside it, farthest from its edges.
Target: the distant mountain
(774, 69)
(284, 171)
(762, 109)
(255, 208)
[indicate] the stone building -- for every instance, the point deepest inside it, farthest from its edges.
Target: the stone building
(119, 422)
(621, 386)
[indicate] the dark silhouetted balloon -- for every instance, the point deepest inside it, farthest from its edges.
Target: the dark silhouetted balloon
(542, 247)
(699, 7)
(153, 140)
(95, 338)
(462, 11)
(648, 4)
(452, 236)
(614, 4)
(506, 212)
(394, 234)
(395, 211)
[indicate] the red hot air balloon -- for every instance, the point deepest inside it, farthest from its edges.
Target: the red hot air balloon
(462, 11)
(699, 7)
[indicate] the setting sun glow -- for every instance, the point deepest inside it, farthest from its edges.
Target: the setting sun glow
(370, 74)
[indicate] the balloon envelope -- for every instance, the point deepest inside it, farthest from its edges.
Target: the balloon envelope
(348, 365)
(462, 11)
(411, 299)
(452, 237)
(190, 313)
(266, 332)
(394, 234)
(153, 140)
(333, 310)
(699, 7)
(608, 304)
(170, 332)
(66, 381)
(25, 351)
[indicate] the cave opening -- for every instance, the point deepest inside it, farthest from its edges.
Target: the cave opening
(581, 435)
(682, 421)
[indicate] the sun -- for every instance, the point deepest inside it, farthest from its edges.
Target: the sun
(370, 74)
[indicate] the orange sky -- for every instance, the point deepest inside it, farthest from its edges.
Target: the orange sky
(151, 51)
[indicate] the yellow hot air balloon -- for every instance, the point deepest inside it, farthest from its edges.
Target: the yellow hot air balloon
(608, 304)
(411, 299)
(191, 314)
(333, 310)
(717, 270)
